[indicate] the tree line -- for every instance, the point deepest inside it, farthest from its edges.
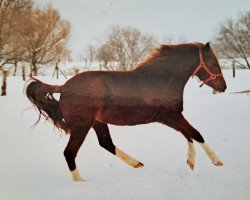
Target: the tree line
(39, 36)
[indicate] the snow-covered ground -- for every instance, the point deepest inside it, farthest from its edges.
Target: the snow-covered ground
(32, 165)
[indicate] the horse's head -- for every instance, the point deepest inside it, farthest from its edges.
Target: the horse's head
(208, 70)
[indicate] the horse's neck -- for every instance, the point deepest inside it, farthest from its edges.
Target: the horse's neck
(175, 72)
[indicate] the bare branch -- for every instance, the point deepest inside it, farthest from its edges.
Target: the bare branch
(233, 40)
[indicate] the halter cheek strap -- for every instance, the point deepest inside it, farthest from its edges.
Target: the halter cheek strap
(211, 77)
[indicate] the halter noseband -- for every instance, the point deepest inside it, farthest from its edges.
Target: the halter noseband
(211, 77)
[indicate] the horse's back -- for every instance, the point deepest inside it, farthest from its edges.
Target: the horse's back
(99, 83)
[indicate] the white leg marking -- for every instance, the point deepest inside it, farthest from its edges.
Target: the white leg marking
(127, 159)
(211, 154)
(191, 155)
(76, 175)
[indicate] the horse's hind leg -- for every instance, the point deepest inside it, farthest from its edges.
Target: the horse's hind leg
(179, 123)
(105, 141)
(77, 136)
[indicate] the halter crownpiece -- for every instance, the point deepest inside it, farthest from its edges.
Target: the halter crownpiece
(211, 77)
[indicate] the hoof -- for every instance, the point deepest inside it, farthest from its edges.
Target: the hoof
(138, 165)
(218, 163)
(191, 165)
(76, 175)
(78, 179)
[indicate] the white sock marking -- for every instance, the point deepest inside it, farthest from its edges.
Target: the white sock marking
(191, 155)
(211, 154)
(127, 159)
(76, 175)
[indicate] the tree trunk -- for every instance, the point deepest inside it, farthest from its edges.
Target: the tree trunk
(248, 65)
(23, 73)
(15, 69)
(233, 69)
(33, 64)
(35, 70)
(4, 85)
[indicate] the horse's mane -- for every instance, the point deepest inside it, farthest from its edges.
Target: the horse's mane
(164, 52)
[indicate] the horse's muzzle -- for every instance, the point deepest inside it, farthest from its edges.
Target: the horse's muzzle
(222, 89)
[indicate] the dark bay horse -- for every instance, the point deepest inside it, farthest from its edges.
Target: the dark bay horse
(152, 92)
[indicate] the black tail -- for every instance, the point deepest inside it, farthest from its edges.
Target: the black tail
(41, 95)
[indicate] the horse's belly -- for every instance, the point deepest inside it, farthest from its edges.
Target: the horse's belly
(127, 115)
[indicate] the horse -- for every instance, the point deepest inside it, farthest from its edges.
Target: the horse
(152, 92)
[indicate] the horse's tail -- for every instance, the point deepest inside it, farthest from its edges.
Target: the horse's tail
(41, 95)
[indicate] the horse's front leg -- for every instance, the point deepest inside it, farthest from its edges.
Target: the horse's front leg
(179, 123)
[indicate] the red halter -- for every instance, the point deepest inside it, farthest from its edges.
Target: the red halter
(211, 77)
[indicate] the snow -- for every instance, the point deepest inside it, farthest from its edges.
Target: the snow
(32, 165)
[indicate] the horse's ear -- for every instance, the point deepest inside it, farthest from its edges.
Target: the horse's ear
(207, 46)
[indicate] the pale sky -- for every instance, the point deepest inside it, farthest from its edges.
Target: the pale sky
(196, 20)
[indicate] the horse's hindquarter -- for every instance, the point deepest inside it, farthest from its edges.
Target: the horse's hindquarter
(82, 96)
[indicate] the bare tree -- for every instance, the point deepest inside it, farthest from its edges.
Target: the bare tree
(90, 54)
(126, 45)
(45, 38)
(6, 48)
(105, 55)
(12, 19)
(233, 40)
(21, 15)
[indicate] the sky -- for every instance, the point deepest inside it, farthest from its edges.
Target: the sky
(194, 20)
